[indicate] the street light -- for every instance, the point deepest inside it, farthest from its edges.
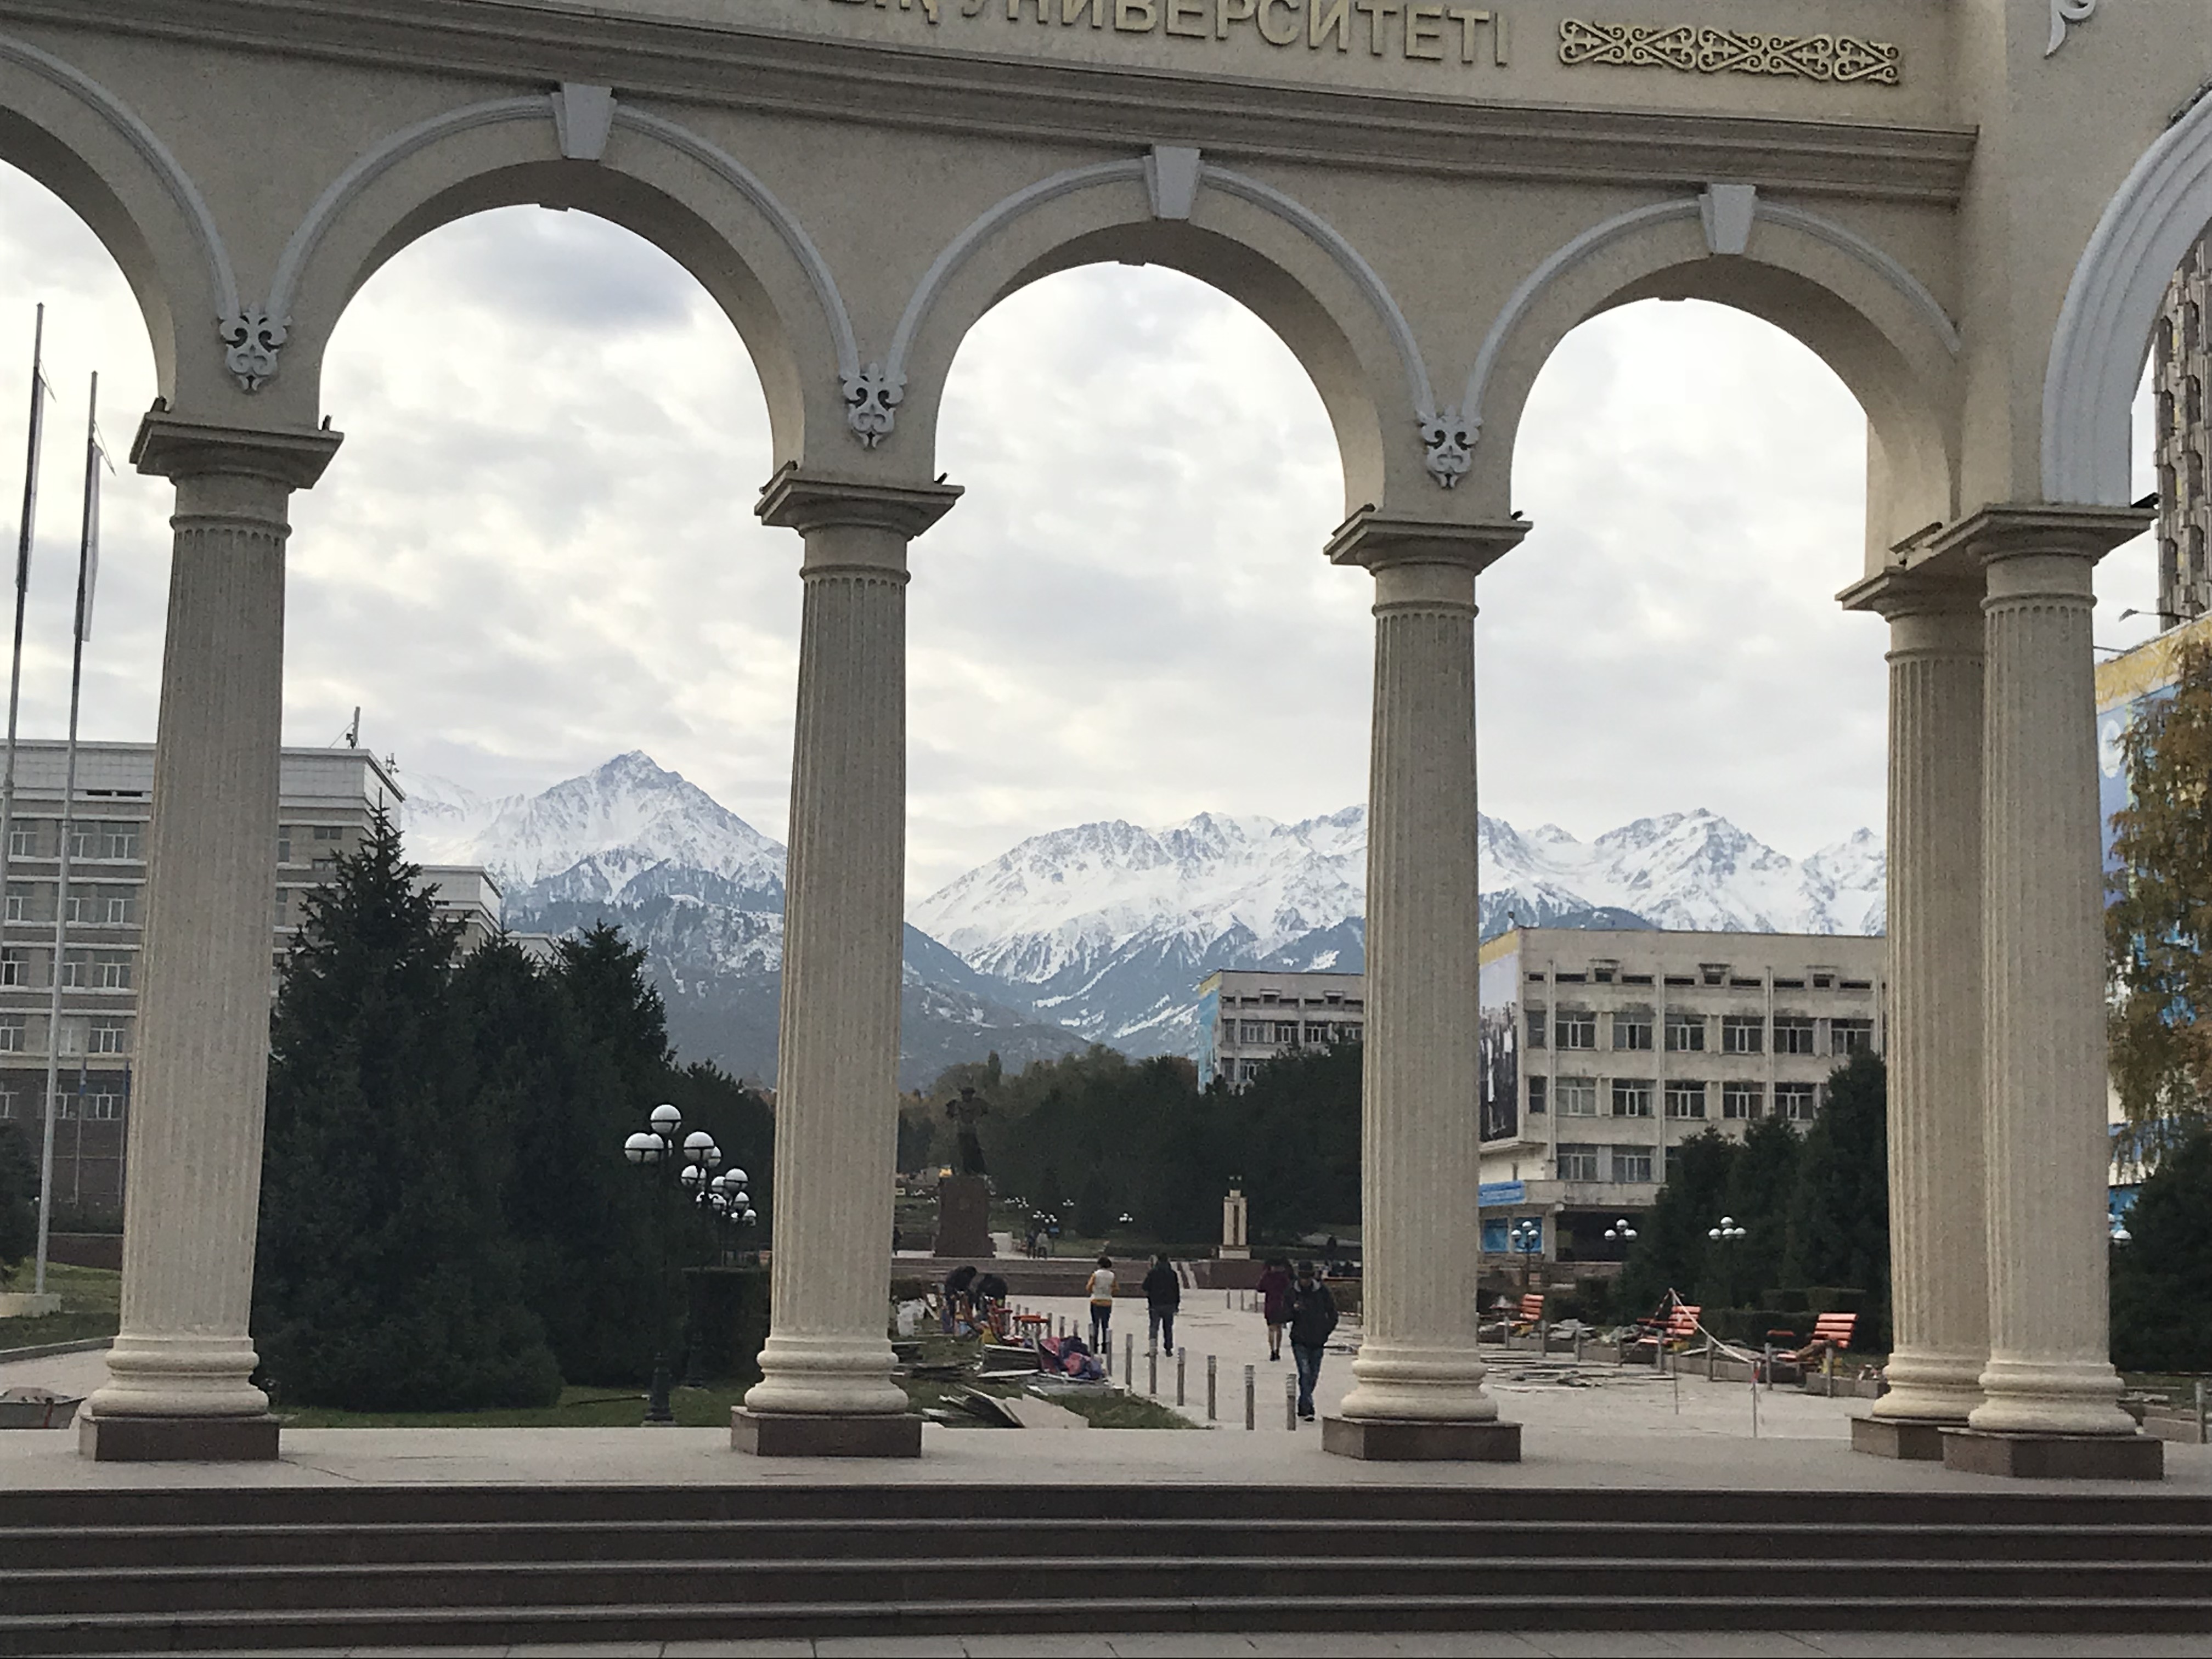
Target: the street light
(1526, 1237)
(1620, 1230)
(1728, 1229)
(1727, 1233)
(654, 1150)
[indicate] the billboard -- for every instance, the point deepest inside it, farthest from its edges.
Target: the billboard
(1498, 990)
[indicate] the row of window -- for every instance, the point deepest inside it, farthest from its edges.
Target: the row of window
(1577, 1096)
(96, 1105)
(1272, 999)
(1589, 1162)
(81, 970)
(102, 1035)
(1710, 973)
(1740, 1034)
(1287, 1032)
(89, 838)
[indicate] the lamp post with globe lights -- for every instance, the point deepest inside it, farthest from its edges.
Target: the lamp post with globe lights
(1729, 1232)
(1526, 1239)
(655, 1152)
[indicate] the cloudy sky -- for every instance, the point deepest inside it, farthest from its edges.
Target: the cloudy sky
(536, 550)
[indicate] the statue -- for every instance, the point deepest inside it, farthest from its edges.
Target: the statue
(967, 1158)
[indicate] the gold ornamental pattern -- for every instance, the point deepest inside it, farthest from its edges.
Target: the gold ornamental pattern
(1695, 49)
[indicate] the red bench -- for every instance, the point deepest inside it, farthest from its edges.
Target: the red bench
(1832, 1335)
(1531, 1314)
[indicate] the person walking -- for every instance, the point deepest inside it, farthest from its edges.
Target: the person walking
(1274, 1289)
(1163, 1297)
(1313, 1317)
(1101, 1305)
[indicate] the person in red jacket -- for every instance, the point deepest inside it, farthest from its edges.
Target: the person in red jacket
(1275, 1302)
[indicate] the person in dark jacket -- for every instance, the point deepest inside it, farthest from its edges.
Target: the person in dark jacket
(1275, 1288)
(1313, 1317)
(1163, 1296)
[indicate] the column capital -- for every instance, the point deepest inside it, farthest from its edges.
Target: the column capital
(1948, 587)
(1378, 541)
(174, 445)
(807, 502)
(2009, 529)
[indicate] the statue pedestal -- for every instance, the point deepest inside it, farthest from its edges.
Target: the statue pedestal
(964, 1217)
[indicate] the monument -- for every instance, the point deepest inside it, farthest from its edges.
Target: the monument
(1235, 1246)
(964, 1196)
(1969, 209)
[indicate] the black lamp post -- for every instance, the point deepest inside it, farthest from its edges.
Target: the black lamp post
(1729, 1232)
(1527, 1238)
(655, 1153)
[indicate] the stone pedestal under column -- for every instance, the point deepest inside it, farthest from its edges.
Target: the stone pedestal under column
(2049, 1377)
(826, 1388)
(1939, 1281)
(1418, 1393)
(179, 1371)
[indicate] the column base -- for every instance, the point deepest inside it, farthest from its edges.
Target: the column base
(799, 1434)
(1918, 1439)
(177, 1439)
(1404, 1442)
(2053, 1456)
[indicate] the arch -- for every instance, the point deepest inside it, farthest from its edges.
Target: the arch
(121, 203)
(1852, 303)
(726, 229)
(2103, 333)
(1253, 242)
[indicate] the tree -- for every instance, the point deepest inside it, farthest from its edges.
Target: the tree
(1839, 1232)
(2162, 1277)
(2159, 1022)
(19, 1199)
(1671, 1251)
(1761, 1189)
(385, 1276)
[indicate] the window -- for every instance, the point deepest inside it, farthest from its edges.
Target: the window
(11, 1034)
(1794, 1101)
(107, 1036)
(1746, 1101)
(23, 842)
(1631, 1097)
(1535, 1019)
(1686, 1100)
(1851, 1037)
(1855, 985)
(1686, 1034)
(1602, 972)
(1253, 1031)
(15, 967)
(1713, 972)
(1577, 1162)
(100, 907)
(1822, 981)
(1577, 1096)
(18, 902)
(1535, 1095)
(1742, 1034)
(95, 839)
(1631, 1030)
(1575, 1028)
(73, 967)
(1788, 984)
(326, 865)
(1632, 1164)
(101, 1107)
(1316, 1031)
(1793, 1034)
(7, 1102)
(1286, 1031)
(111, 972)
(329, 832)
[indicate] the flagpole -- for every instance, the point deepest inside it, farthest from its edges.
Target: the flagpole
(86, 553)
(34, 442)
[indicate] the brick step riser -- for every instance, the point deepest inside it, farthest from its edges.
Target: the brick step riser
(619, 1506)
(248, 1547)
(568, 1627)
(955, 1583)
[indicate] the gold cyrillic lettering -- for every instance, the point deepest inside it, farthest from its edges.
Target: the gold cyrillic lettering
(1498, 39)
(1188, 12)
(1425, 33)
(1071, 11)
(1226, 12)
(1319, 23)
(1467, 18)
(1378, 11)
(1289, 34)
(1136, 16)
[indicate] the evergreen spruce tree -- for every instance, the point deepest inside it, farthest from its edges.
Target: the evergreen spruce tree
(2162, 1276)
(2160, 917)
(385, 1278)
(1671, 1251)
(19, 1199)
(1761, 1189)
(1839, 1233)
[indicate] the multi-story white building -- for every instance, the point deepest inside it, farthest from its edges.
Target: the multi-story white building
(2181, 365)
(1247, 1016)
(1603, 1050)
(327, 800)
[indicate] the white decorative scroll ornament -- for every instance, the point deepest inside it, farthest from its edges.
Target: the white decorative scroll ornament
(1450, 437)
(2063, 12)
(253, 339)
(871, 401)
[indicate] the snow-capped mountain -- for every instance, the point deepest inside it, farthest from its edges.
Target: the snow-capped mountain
(1110, 926)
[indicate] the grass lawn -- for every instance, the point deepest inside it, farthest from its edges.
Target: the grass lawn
(91, 1305)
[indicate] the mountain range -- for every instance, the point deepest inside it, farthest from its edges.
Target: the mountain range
(1095, 933)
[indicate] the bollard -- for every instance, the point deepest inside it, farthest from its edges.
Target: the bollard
(1711, 1346)
(1578, 1344)
(1152, 1370)
(1213, 1413)
(1183, 1359)
(2200, 1436)
(1674, 1370)
(1228, 1301)
(1290, 1402)
(1251, 1398)
(1754, 1404)
(1106, 1358)
(1129, 1363)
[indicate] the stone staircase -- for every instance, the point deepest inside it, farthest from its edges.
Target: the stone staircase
(412, 1566)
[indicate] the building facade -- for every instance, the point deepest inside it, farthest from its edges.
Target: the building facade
(328, 797)
(2182, 365)
(1248, 1016)
(1603, 1050)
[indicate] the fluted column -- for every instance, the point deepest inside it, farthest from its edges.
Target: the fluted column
(1418, 1367)
(178, 1373)
(825, 1383)
(1939, 1277)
